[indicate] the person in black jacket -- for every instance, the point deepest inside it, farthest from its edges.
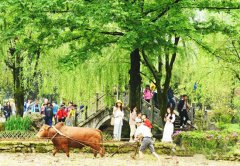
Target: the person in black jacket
(7, 110)
(183, 111)
(48, 111)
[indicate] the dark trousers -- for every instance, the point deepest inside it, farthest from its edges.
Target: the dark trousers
(183, 117)
(61, 120)
(48, 121)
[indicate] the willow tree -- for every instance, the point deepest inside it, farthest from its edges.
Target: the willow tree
(23, 41)
(151, 28)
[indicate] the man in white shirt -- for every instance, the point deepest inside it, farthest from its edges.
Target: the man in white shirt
(144, 135)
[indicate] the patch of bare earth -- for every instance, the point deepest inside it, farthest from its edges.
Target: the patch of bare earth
(46, 159)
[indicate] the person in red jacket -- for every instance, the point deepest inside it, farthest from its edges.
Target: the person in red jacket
(146, 121)
(61, 114)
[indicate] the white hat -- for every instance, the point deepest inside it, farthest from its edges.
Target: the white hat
(138, 120)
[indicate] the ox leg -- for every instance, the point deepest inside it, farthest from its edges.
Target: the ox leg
(66, 150)
(95, 153)
(102, 151)
(55, 150)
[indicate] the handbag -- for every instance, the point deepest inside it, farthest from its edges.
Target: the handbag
(112, 120)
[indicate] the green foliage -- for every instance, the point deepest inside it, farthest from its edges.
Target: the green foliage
(209, 141)
(18, 123)
(222, 115)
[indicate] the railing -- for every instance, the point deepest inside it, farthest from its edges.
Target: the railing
(152, 113)
(17, 135)
(94, 107)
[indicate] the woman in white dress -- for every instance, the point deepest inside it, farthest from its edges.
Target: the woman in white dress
(168, 128)
(118, 120)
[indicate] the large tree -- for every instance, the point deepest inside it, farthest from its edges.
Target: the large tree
(153, 29)
(22, 41)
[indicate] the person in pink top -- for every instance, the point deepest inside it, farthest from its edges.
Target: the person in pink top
(147, 94)
(133, 115)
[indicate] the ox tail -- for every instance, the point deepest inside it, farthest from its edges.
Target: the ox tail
(102, 151)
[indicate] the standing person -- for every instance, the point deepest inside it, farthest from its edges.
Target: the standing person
(183, 111)
(13, 106)
(70, 106)
(147, 94)
(61, 114)
(7, 110)
(55, 109)
(36, 107)
(132, 117)
(146, 121)
(118, 120)
(139, 116)
(45, 103)
(70, 116)
(48, 114)
(168, 128)
(144, 135)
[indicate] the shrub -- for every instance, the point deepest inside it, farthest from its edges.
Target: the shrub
(223, 114)
(18, 123)
(208, 142)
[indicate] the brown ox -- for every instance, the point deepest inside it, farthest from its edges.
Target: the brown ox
(75, 137)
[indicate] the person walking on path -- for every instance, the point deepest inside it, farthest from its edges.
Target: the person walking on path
(147, 94)
(183, 108)
(48, 112)
(133, 115)
(144, 135)
(168, 128)
(118, 120)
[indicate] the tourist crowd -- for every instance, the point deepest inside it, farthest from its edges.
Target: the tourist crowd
(51, 111)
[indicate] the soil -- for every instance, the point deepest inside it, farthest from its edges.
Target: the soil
(39, 159)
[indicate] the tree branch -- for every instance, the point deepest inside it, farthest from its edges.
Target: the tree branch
(175, 52)
(149, 65)
(235, 49)
(165, 10)
(147, 77)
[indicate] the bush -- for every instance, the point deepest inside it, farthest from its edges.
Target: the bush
(223, 114)
(18, 123)
(208, 142)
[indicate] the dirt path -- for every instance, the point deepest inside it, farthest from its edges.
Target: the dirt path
(46, 159)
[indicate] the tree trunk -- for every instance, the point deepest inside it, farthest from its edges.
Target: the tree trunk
(135, 80)
(18, 85)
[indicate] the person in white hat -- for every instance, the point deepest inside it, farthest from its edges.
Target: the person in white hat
(118, 115)
(144, 135)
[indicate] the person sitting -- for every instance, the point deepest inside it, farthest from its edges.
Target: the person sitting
(146, 121)
(144, 135)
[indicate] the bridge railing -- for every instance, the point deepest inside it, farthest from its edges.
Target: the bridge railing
(95, 105)
(152, 112)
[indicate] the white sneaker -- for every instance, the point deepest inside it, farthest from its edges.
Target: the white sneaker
(180, 127)
(185, 126)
